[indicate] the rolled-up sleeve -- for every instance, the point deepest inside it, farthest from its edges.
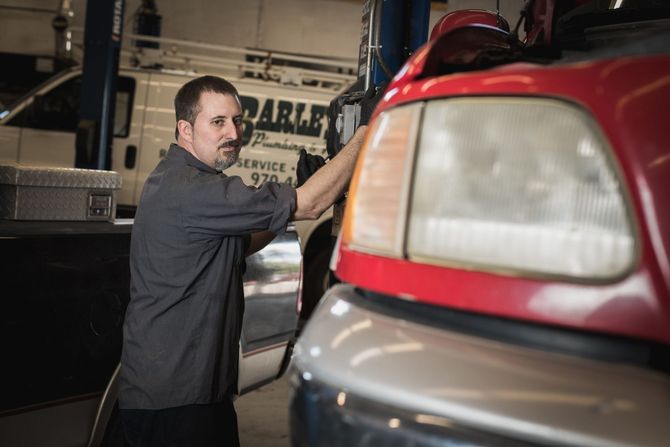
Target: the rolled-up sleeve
(218, 204)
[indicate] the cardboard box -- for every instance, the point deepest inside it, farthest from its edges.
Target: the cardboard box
(46, 193)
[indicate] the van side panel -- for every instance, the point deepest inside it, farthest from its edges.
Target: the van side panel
(123, 161)
(159, 125)
(9, 144)
(40, 147)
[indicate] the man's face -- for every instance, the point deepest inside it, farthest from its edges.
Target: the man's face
(217, 131)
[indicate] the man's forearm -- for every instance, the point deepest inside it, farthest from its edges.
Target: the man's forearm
(327, 184)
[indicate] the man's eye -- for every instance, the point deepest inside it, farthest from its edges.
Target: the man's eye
(218, 122)
(238, 121)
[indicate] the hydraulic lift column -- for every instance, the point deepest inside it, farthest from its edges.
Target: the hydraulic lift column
(102, 42)
(391, 31)
(395, 29)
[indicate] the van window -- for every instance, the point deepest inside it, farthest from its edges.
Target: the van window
(58, 109)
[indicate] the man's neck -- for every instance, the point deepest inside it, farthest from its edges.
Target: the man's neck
(188, 146)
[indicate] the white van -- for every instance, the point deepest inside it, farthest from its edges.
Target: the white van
(285, 110)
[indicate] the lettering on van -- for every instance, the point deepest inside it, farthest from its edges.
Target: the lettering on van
(265, 170)
(263, 139)
(281, 117)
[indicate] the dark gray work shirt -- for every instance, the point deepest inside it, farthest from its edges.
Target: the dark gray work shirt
(183, 322)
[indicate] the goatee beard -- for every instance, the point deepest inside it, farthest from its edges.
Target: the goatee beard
(225, 162)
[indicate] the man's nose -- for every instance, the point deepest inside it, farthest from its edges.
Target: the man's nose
(232, 130)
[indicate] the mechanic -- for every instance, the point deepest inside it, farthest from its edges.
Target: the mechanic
(193, 228)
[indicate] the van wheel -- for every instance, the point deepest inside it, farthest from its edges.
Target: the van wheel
(317, 279)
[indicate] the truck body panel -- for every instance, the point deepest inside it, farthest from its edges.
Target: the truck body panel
(62, 324)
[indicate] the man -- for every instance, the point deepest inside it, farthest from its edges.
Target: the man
(193, 228)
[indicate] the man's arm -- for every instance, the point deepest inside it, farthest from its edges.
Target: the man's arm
(327, 184)
(320, 190)
(259, 241)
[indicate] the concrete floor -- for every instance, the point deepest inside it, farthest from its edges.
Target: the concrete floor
(262, 416)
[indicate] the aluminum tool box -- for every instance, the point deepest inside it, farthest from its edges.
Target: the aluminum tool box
(46, 193)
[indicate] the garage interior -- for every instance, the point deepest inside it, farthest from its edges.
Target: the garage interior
(597, 307)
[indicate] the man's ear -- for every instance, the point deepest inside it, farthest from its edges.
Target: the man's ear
(185, 130)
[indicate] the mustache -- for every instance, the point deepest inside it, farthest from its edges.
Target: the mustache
(236, 144)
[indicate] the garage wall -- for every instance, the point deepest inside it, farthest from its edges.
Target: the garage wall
(25, 26)
(224, 22)
(327, 27)
(318, 27)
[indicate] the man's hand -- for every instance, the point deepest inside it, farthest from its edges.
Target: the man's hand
(308, 164)
(369, 102)
(328, 183)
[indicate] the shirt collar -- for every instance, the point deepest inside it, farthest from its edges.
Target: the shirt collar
(177, 151)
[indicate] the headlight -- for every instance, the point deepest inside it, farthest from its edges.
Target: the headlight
(379, 193)
(517, 184)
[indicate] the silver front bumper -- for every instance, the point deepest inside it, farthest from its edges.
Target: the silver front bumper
(404, 373)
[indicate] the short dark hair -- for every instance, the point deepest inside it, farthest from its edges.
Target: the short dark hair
(187, 100)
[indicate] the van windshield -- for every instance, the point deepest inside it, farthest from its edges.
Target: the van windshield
(6, 109)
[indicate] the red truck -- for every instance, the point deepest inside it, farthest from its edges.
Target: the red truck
(505, 252)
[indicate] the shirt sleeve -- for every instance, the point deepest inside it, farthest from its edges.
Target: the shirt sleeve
(218, 204)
